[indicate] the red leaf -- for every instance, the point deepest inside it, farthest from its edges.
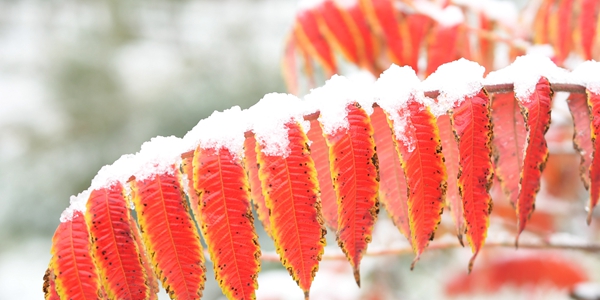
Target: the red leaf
(72, 264)
(382, 17)
(588, 17)
(312, 40)
(392, 185)
(256, 191)
(354, 172)
(50, 285)
(170, 235)
(339, 31)
(473, 129)
(509, 143)
(288, 65)
(442, 47)
(451, 156)
(415, 26)
(536, 111)
(564, 30)
(540, 25)
(423, 164)
(145, 259)
(582, 135)
(227, 222)
(320, 154)
(370, 46)
(115, 250)
(542, 270)
(594, 104)
(487, 46)
(292, 196)
(188, 172)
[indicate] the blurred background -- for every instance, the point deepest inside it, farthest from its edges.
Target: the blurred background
(83, 82)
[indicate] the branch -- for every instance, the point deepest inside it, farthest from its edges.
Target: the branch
(274, 257)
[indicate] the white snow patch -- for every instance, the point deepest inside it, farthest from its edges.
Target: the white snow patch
(268, 118)
(455, 81)
(77, 204)
(588, 75)
(333, 98)
(505, 12)
(308, 4)
(221, 130)
(542, 50)
(449, 16)
(394, 88)
(525, 72)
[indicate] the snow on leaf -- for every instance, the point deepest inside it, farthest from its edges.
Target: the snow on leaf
(115, 252)
(169, 234)
(227, 222)
(73, 270)
(509, 143)
(355, 177)
(291, 192)
(536, 109)
(471, 122)
(320, 154)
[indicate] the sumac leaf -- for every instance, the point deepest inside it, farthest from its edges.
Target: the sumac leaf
(115, 251)
(594, 104)
(451, 156)
(588, 18)
(292, 195)
(423, 162)
(310, 38)
(509, 143)
(414, 26)
(72, 265)
(471, 122)
(338, 29)
(49, 287)
(252, 167)
(146, 261)
(369, 42)
(187, 173)
(392, 185)
(288, 65)
(381, 14)
(355, 176)
(319, 151)
(441, 46)
(582, 140)
(564, 30)
(170, 235)
(227, 221)
(536, 112)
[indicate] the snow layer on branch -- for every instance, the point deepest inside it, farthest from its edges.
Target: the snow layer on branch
(446, 17)
(588, 75)
(77, 204)
(525, 72)
(268, 118)
(394, 88)
(221, 130)
(455, 81)
(155, 157)
(333, 98)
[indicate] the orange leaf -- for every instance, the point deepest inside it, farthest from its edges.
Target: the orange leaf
(588, 16)
(423, 164)
(370, 46)
(355, 176)
(188, 173)
(288, 65)
(292, 195)
(473, 129)
(170, 235)
(50, 285)
(509, 143)
(310, 38)
(415, 26)
(338, 29)
(564, 30)
(227, 222)
(320, 154)
(115, 250)
(392, 186)
(381, 14)
(582, 134)
(145, 259)
(536, 111)
(72, 264)
(451, 156)
(442, 46)
(540, 25)
(256, 192)
(594, 104)
(487, 46)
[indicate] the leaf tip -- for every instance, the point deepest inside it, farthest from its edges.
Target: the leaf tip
(472, 261)
(589, 217)
(306, 295)
(414, 262)
(357, 276)
(460, 239)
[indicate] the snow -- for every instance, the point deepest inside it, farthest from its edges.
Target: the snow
(505, 12)
(333, 98)
(308, 4)
(77, 204)
(588, 75)
(455, 81)
(392, 91)
(268, 118)
(525, 72)
(221, 130)
(445, 17)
